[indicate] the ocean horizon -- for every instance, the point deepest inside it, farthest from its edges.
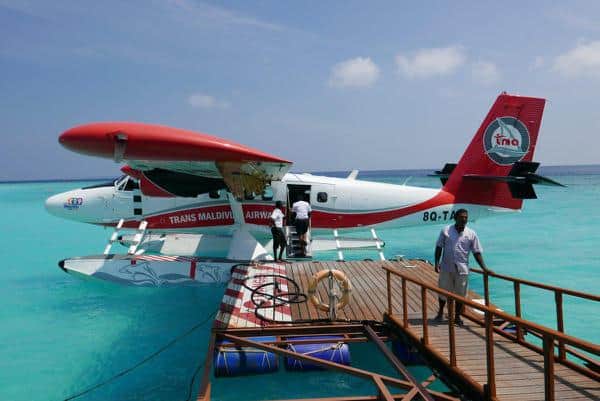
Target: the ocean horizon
(575, 169)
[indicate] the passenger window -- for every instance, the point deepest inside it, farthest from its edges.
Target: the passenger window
(214, 194)
(322, 197)
(267, 194)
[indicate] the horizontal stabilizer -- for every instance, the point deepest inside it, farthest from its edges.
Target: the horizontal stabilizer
(353, 174)
(520, 180)
(444, 173)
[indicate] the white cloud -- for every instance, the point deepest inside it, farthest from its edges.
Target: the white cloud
(203, 101)
(485, 73)
(583, 60)
(537, 63)
(426, 63)
(221, 15)
(574, 19)
(357, 72)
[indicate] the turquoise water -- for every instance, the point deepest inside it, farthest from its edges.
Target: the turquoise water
(61, 335)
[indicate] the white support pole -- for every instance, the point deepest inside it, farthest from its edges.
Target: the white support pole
(338, 245)
(114, 236)
(381, 255)
(137, 238)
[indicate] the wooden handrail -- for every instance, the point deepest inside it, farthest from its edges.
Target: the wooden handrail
(517, 291)
(566, 291)
(567, 339)
(549, 335)
(424, 314)
(451, 330)
(558, 299)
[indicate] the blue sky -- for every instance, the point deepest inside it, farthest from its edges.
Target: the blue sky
(328, 85)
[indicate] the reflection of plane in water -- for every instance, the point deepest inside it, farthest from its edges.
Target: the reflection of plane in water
(192, 194)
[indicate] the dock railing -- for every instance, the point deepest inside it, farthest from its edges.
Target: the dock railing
(548, 335)
(558, 299)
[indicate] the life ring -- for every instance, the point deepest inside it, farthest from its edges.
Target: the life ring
(322, 275)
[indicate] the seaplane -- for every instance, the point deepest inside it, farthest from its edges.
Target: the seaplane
(199, 204)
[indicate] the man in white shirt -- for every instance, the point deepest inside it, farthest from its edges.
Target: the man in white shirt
(455, 242)
(277, 230)
(302, 210)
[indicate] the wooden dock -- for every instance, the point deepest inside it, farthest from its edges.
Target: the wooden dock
(479, 360)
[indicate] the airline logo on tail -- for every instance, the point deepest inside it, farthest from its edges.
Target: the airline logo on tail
(506, 140)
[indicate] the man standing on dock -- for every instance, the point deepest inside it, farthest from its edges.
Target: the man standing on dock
(454, 243)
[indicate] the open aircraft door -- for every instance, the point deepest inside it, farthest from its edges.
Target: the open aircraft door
(295, 248)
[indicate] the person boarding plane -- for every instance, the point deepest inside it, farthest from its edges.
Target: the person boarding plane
(191, 194)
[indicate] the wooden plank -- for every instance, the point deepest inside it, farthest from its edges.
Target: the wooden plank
(361, 293)
(296, 308)
(518, 370)
(356, 307)
(375, 286)
(309, 311)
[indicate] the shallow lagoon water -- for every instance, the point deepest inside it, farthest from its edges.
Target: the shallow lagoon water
(61, 334)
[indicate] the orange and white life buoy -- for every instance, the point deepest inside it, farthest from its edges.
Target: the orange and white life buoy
(340, 277)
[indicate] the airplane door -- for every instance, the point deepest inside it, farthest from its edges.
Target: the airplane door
(120, 205)
(294, 194)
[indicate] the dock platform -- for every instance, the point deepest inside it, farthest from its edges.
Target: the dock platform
(480, 360)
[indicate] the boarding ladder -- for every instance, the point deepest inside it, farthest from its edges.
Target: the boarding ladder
(293, 249)
(137, 238)
(374, 238)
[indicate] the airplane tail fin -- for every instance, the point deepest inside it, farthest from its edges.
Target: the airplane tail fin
(497, 168)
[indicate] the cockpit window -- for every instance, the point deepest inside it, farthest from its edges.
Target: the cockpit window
(131, 185)
(123, 183)
(126, 183)
(216, 194)
(104, 184)
(120, 183)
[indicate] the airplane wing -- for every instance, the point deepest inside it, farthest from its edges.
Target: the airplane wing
(154, 150)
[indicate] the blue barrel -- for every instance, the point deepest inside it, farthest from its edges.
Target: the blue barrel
(237, 361)
(512, 329)
(407, 354)
(334, 351)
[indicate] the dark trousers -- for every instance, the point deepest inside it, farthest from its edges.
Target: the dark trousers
(278, 241)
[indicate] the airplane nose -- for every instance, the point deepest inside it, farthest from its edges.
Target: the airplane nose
(67, 205)
(54, 205)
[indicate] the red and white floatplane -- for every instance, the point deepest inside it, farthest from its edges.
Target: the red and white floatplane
(198, 204)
